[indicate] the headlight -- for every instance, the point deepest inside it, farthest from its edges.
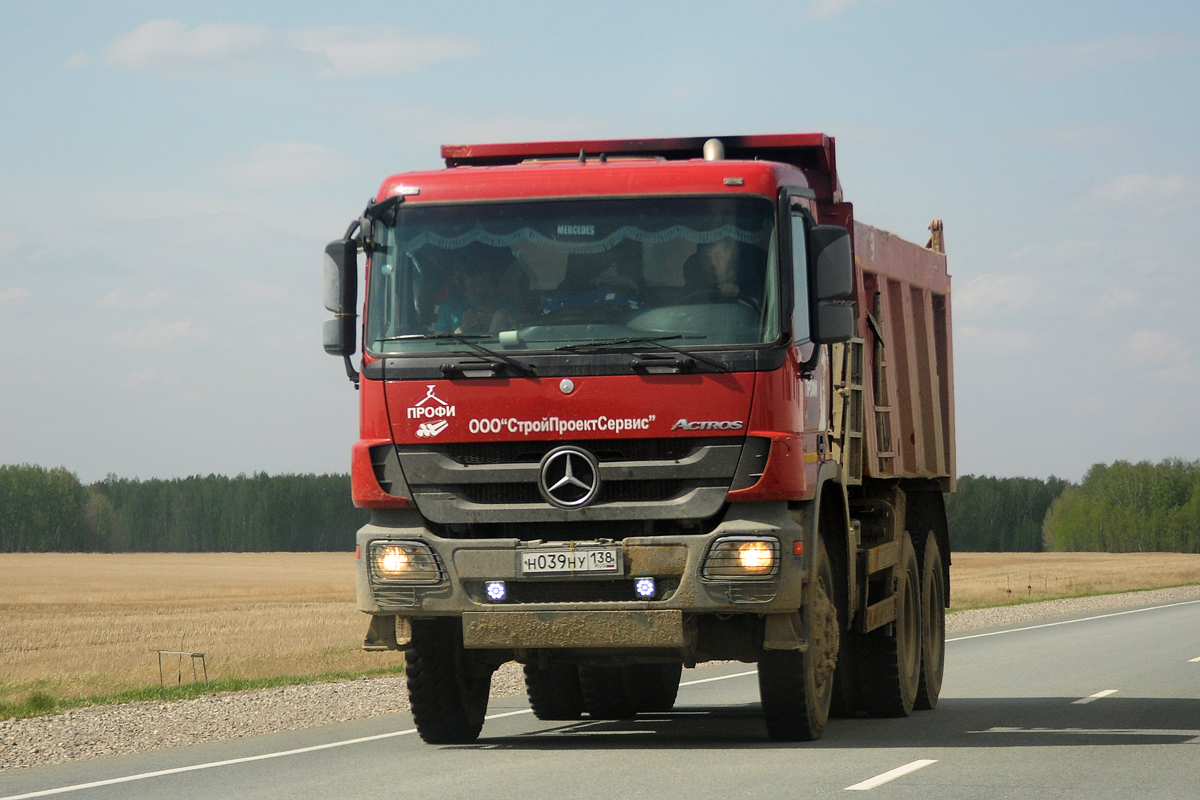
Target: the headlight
(404, 562)
(742, 557)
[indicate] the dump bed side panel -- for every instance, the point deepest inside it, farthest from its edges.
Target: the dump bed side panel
(904, 307)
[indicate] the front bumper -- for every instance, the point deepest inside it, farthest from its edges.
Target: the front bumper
(587, 611)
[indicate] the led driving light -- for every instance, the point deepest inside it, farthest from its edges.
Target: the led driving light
(403, 562)
(744, 557)
(644, 587)
(496, 591)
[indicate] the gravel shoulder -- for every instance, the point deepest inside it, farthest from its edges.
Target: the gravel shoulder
(135, 727)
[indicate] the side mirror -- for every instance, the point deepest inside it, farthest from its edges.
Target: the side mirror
(836, 320)
(834, 262)
(341, 297)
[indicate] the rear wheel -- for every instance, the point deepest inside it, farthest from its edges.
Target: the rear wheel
(933, 626)
(797, 688)
(657, 685)
(448, 688)
(608, 692)
(554, 692)
(890, 663)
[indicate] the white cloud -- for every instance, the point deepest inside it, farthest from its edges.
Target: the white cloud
(168, 45)
(13, 295)
(356, 52)
(989, 343)
(287, 164)
(989, 295)
(824, 9)
(1157, 347)
(125, 300)
(1063, 60)
(159, 335)
(1112, 300)
(1158, 196)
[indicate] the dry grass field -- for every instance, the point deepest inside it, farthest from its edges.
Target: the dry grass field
(74, 625)
(979, 580)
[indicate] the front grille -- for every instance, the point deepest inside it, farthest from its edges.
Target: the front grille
(617, 591)
(652, 491)
(479, 453)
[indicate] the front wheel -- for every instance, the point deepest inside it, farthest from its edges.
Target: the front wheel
(797, 688)
(447, 687)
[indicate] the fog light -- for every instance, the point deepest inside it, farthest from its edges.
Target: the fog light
(403, 562)
(496, 590)
(746, 557)
(644, 587)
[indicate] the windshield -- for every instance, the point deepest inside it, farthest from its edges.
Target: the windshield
(697, 271)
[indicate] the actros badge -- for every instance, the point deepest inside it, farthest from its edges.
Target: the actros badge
(569, 477)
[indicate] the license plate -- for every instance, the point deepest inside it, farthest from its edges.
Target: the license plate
(594, 560)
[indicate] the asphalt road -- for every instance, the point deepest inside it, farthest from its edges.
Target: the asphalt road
(1099, 707)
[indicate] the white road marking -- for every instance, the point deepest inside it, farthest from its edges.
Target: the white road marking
(1195, 660)
(891, 775)
(265, 756)
(210, 765)
(1194, 735)
(1093, 697)
(702, 680)
(1066, 622)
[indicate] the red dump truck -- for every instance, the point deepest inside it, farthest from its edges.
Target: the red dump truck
(632, 405)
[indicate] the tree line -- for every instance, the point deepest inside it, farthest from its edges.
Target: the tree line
(1119, 507)
(43, 510)
(1129, 508)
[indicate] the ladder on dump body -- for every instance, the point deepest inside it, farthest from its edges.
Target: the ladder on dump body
(885, 452)
(846, 428)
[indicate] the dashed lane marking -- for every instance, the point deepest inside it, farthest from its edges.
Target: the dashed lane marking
(1091, 698)
(1066, 622)
(702, 680)
(891, 775)
(1195, 660)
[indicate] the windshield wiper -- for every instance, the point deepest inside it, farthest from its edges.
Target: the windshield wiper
(468, 339)
(656, 341)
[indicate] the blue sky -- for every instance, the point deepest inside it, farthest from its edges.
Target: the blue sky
(170, 172)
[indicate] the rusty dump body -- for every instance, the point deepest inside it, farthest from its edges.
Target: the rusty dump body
(631, 470)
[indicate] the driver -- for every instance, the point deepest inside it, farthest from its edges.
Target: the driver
(478, 305)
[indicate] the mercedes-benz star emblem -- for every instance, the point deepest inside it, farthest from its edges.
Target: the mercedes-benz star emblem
(569, 477)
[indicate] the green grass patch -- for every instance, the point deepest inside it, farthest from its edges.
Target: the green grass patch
(39, 703)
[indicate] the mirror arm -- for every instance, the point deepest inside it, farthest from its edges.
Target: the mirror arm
(806, 367)
(351, 372)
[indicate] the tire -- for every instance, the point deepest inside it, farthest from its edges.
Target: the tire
(609, 692)
(847, 690)
(890, 666)
(933, 626)
(554, 692)
(657, 686)
(448, 688)
(797, 688)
